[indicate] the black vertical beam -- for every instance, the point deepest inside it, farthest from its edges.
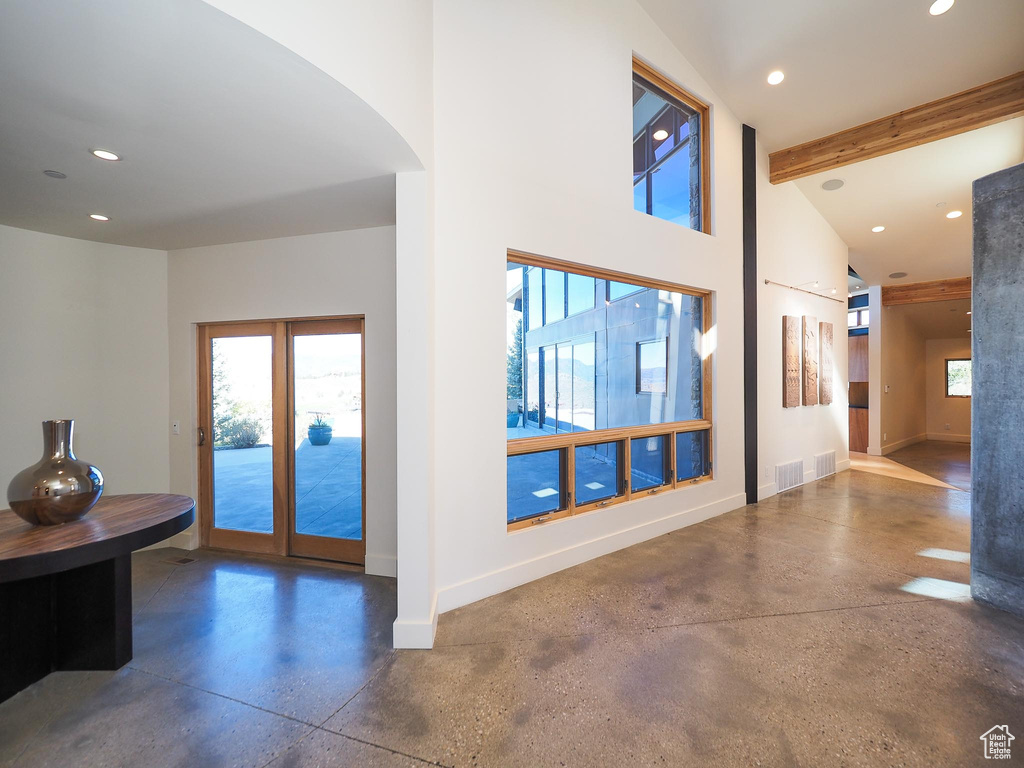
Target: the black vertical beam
(750, 312)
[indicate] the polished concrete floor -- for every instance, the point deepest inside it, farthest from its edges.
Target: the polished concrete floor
(949, 462)
(826, 626)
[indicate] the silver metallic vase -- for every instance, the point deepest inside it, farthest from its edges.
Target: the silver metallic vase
(60, 487)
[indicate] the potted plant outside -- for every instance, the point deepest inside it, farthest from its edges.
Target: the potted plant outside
(319, 431)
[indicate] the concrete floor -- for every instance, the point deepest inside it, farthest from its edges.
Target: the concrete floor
(949, 462)
(328, 488)
(825, 626)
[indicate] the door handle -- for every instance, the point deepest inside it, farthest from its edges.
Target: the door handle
(202, 436)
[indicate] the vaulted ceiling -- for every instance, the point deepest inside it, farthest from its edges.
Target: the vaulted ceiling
(225, 135)
(845, 64)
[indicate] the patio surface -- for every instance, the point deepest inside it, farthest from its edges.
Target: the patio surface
(328, 489)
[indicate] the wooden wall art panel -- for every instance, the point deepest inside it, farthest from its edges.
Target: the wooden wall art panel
(790, 361)
(810, 360)
(825, 363)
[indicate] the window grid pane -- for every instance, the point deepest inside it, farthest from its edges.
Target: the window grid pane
(692, 460)
(598, 472)
(648, 466)
(534, 484)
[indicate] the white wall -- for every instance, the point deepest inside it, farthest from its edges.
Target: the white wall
(902, 380)
(380, 50)
(84, 337)
(527, 148)
(942, 410)
(337, 273)
(533, 152)
(796, 246)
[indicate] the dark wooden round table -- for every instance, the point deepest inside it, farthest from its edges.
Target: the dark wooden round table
(66, 590)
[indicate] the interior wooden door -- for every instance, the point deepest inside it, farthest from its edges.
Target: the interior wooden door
(327, 429)
(243, 502)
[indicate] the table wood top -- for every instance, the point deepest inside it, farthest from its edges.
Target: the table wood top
(117, 525)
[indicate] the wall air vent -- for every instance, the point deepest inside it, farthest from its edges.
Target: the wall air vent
(789, 475)
(824, 464)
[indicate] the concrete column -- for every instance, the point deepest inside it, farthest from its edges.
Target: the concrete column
(997, 408)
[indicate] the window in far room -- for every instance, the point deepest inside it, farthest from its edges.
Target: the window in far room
(958, 378)
(670, 151)
(652, 366)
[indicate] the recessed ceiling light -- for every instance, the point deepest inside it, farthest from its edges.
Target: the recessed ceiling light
(856, 287)
(878, 229)
(55, 174)
(776, 77)
(833, 290)
(968, 311)
(939, 7)
(660, 135)
(832, 185)
(99, 217)
(897, 275)
(954, 214)
(105, 154)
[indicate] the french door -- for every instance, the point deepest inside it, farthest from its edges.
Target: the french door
(282, 438)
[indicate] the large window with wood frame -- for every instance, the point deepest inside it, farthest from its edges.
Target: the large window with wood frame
(670, 151)
(608, 388)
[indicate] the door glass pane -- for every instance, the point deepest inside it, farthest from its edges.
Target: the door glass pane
(648, 456)
(533, 388)
(243, 478)
(534, 484)
(328, 435)
(597, 472)
(583, 378)
(564, 387)
(691, 455)
(549, 414)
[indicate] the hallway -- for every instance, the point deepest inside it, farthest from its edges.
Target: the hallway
(949, 462)
(826, 626)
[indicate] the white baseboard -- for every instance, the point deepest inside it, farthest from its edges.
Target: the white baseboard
(890, 447)
(503, 579)
(382, 565)
(949, 438)
(766, 490)
(809, 476)
(416, 634)
(842, 465)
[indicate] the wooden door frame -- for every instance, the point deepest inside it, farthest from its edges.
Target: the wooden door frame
(222, 538)
(307, 545)
(283, 541)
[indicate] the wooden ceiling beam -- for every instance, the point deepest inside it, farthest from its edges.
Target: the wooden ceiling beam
(934, 290)
(977, 107)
